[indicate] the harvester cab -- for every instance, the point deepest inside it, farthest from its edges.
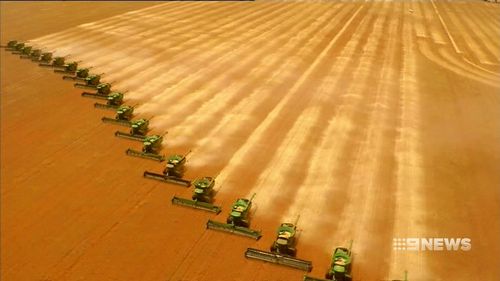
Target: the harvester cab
(113, 101)
(122, 117)
(124, 112)
(150, 149)
(285, 240)
(202, 196)
(34, 55)
(114, 98)
(173, 172)
(103, 90)
(204, 189)
(69, 68)
(80, 74)
(11, 45)
(46, 57)
(282, 250)
(91, 81)
(238, 220)
(18, 47)
(175, 166)
(56, 62)
(152, 144)
(340, 267)
(139, 127)
(26, 51)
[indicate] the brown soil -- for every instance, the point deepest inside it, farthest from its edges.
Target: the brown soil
(370, 120)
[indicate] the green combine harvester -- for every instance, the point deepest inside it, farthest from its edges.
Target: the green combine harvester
(202, 198)
(69, 68)
(103, 90)
(238, 221)
(11, 45)
(16, 47)
(113, 101)
(25, 51)
(56, 62)
(138, 130)
(80, 74)
(340, 268)
(91, 82)
(34, 55)
(122, 117)
(150, 149)
(46, 57)
(173, 172)
(282, 250)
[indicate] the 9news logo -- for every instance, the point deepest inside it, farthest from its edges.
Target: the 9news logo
(431, 244)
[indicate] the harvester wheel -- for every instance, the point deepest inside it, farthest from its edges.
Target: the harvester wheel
(273, 248)
(329, 276)
(292, 252)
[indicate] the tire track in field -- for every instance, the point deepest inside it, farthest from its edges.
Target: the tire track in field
(196, 90)
(210, 248)
(267, 124)
(254, 105)
(103, 25)
(409, 163)
(182, 58)
(230, 99)
(477, 50)
(285, 186)
(373, 172)
(140, 49)
(487, 32)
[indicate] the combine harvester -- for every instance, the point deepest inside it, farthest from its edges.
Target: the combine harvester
(282, 250)
(173, 172)
(113, 101)
(34, 55)
(11, 45)
(238, 221)
(25, 51)
(203, 196)
(15, 47)
(80, 74)
(122, 117)
(56, 62)
(150, 149)
(90, 82)
(340, 268)
(103, 90)
(138, 130)
(69, 68)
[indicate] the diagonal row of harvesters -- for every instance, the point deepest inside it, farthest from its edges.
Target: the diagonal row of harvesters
(281, 252)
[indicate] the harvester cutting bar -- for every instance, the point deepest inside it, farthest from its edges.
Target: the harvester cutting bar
(125, 123)
(278, 259)
(94, 96)
(152, 156)
(84, 86)
(105, 106)
(309, 278)
(167, 179)
(65, 77)
(64, 71)
(196, 204)
(130, 136)
(243, 231)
